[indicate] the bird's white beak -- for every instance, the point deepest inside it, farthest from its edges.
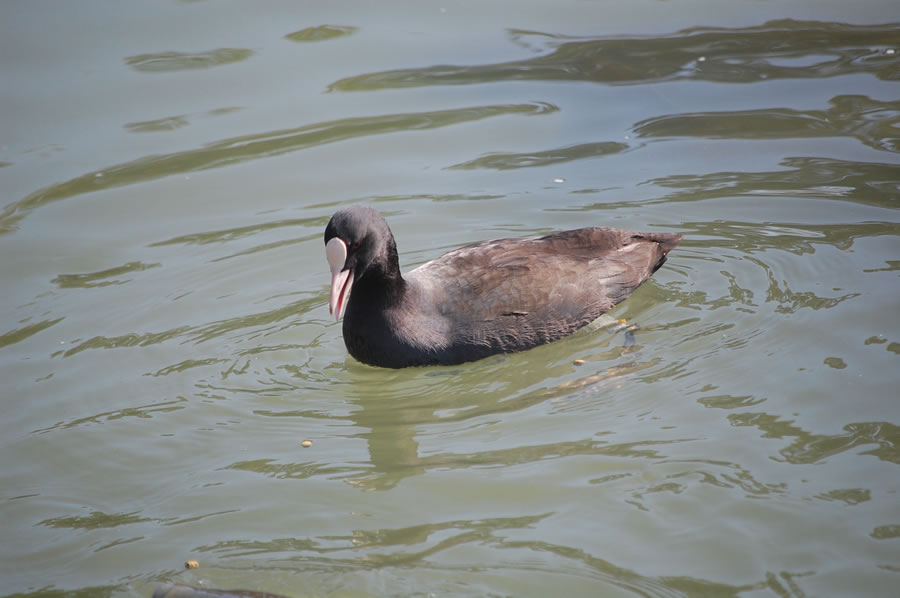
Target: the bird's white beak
(341, 280)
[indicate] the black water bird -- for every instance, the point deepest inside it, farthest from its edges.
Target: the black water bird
(492, 297)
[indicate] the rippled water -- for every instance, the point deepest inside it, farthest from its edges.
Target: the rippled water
(165, 344)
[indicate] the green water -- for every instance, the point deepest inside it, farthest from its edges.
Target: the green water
(165, 345)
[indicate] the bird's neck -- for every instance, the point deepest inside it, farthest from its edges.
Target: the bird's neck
(382, 285)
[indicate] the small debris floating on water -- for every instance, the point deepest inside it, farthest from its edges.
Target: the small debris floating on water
(306, 443)
(191, 565)
(578, 362)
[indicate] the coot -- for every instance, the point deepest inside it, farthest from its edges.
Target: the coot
(492, 297)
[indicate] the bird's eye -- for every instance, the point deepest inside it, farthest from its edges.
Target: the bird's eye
(355, 245)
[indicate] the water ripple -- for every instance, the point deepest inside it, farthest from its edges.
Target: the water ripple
(779, 49)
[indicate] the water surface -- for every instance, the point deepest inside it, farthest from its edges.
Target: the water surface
(165, 344)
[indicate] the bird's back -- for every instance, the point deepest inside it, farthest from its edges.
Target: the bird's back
(513, 294)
